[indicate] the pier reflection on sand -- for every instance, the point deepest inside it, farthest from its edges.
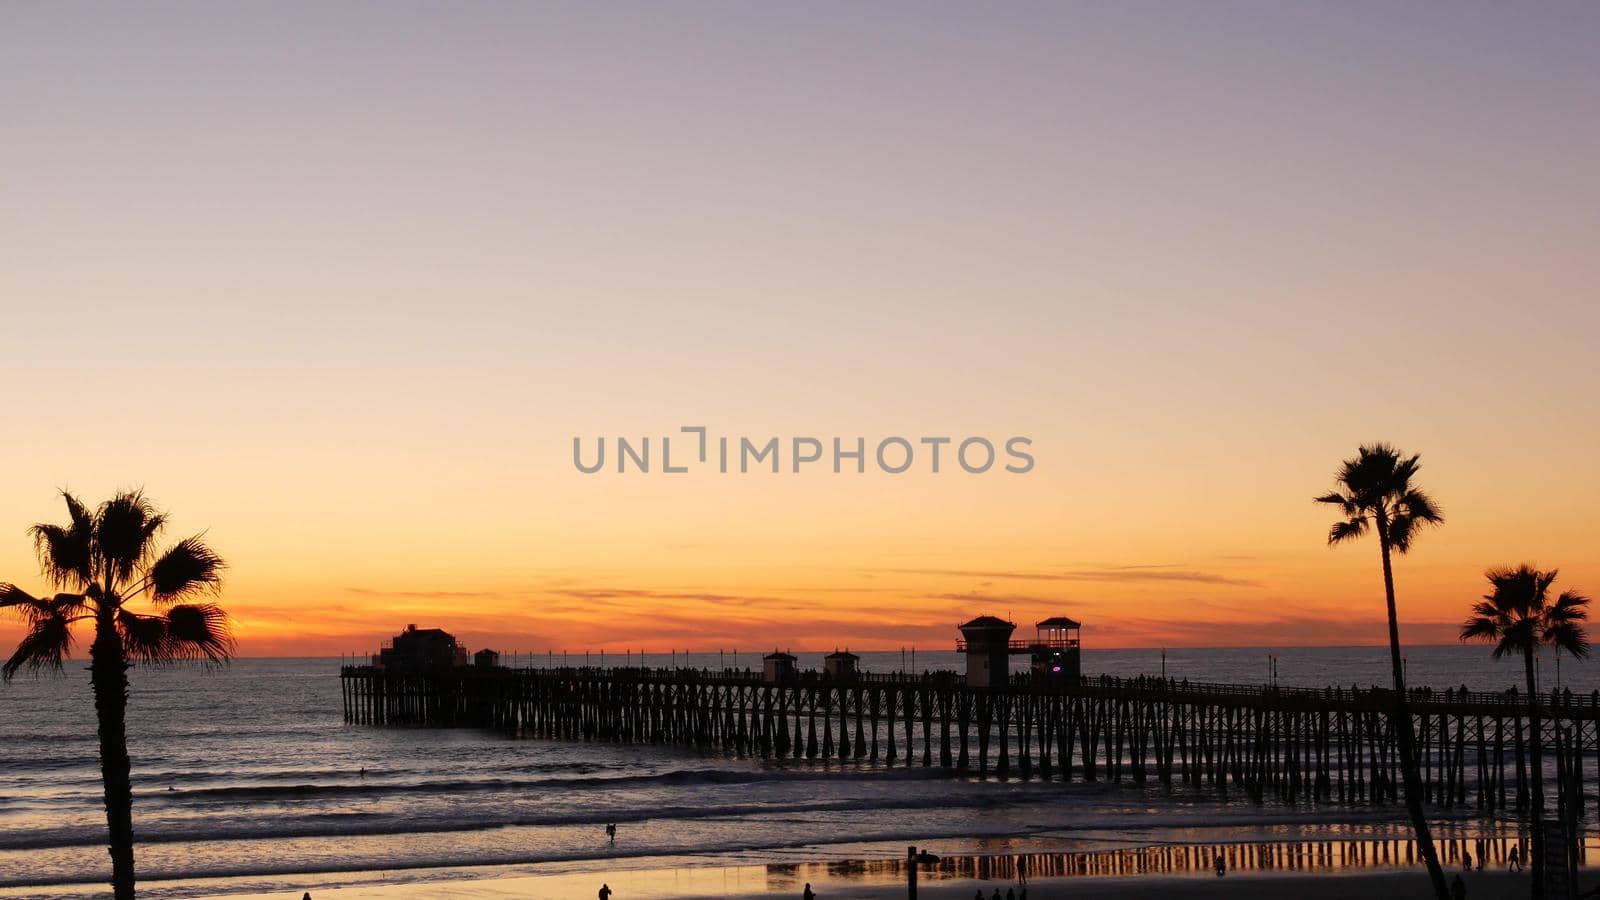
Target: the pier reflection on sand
(1179, 859)
(690, 880)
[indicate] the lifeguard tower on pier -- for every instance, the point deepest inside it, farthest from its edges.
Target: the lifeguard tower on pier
(1054, 650)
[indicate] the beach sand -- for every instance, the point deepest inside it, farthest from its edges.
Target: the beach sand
(692, 883)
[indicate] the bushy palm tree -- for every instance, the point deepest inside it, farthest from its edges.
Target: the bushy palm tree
(101, 562)
(1520, 618)
(1375, 494)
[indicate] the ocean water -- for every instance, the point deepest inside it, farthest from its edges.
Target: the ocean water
(247, 779)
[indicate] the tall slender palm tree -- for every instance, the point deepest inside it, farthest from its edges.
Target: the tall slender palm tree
(1520, 618)
(101, 562)
(1375, 493)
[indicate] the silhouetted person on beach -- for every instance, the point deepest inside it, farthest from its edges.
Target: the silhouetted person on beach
(1222, 866)
(611, 832)
(1466, 860)
(1515, 864)
(809, 894)
(605, 892)
(307, 896)
(1458, 889)
(996, 894)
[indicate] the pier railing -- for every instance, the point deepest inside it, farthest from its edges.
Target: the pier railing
(1556, 703)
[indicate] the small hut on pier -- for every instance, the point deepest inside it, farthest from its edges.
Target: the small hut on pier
(841, 665)
(778, 667)
(486, 659)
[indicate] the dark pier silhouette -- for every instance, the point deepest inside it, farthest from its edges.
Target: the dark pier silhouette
(1327, 745)
(1320, 745)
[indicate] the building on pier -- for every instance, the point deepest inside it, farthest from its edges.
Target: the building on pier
(987, 641)
(417, 649)
(1055, 650)
(778, 667)
(486, 659)
(841, 665)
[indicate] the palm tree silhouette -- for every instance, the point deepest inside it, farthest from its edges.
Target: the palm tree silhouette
(1519, 617)
(101, 562)
(1375, 492)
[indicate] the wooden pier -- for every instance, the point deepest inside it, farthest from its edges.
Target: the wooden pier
(1333, 745)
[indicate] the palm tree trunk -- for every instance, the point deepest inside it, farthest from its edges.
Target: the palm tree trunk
(108, 673)
(1406, 738)
(1536, 752)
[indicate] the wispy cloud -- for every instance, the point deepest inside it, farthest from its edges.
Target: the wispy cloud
(668, 595)
(1149, 573)
(423, 595)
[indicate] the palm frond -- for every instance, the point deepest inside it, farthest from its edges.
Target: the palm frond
(1567, 636)
(144, 638)
(33, 609)
(22, 603)
(1541, 584)
(1403, 468)
(1563, 628)
(199, 632)
(1506, 646)
(124, 527)
(1334, 498)
(1571, 606)
(1486, 608)
(1402, 531)
(1419, 506)
(46, 645)
(65, 553)
(1347, 530)
(187, 568)
(1480, 628)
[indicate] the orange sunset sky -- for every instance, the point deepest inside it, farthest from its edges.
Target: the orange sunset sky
(340, 284)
